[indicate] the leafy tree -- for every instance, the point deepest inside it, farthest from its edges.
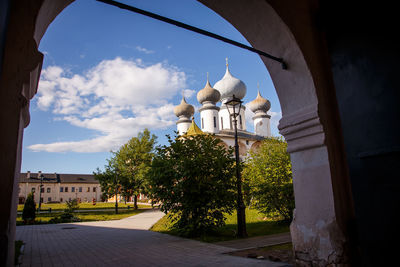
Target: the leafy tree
(29, 211)
(126, 171)
(268, 174)
(193, 178)
(108, 179)
(133, 160)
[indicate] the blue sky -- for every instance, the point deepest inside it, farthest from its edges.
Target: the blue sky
(109, 73)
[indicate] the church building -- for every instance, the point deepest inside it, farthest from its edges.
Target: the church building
(216, 119)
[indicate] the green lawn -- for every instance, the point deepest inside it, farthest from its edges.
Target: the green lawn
(257, 224)
(85, 206)
(85, 216)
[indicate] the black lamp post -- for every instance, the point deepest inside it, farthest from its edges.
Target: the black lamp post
(41, 178)
(234, 105)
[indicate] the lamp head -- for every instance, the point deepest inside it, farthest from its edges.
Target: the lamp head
(234, 105)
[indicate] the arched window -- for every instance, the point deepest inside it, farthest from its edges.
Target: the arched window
(222, 123)
(202, 123)
(215, 122)
(240, 121)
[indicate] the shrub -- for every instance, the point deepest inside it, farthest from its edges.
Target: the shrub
(268, 174)
(29, 211)
(193, 178)
(72, 205)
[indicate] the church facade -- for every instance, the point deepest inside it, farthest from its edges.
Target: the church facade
(215, 118)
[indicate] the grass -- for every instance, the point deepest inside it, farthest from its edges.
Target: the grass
(285, 246)
(257, 224)
(85, 206)
(89, 216)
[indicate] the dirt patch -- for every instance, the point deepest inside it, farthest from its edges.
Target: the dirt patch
(281, 253)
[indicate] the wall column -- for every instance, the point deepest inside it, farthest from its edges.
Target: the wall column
(317, 235)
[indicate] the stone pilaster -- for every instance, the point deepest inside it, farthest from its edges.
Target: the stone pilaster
(317, 237)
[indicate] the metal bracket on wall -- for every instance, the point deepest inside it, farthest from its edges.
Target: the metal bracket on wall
(193, 29)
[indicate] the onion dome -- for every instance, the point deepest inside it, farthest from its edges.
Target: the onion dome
(184, 109)
(229, 86)
(208, 94)
(260, 104)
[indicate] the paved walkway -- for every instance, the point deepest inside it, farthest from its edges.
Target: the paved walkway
(123, 242)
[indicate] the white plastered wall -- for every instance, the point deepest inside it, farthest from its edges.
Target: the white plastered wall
(182, 127)
(262, 127)
(207, 120)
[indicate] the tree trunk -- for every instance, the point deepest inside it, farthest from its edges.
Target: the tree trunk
(135, 202)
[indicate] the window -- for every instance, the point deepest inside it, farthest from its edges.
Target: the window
(88, 189)
(240, 121)
(41, 190)
(61, 189)
(69, 199)
(48, 189)
(80, 189)
(94, 189)
(66, 189)
(61, 199)
(41, 200)
(222, 123)
(49, 199)
(202, 123)
(215, 122)
(72, 189)
(33, 190)
(247, 142)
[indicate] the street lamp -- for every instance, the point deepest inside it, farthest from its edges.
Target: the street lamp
(234, 105)
(41, 178)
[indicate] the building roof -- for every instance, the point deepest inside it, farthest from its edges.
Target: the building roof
(58, 178)
(241, 135)
(194, 129)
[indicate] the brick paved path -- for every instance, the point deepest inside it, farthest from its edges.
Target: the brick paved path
(124, 242)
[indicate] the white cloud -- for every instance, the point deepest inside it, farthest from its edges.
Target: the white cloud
(117, 99)
(144, 50)
(275, 117)
(188, 93)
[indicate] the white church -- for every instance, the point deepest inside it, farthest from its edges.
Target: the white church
(216, 119)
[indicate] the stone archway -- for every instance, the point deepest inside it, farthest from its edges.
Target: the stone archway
(309, 123)
(254, 147)
(242, 149)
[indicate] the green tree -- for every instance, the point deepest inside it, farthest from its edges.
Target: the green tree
(133, 160)
(108, 179)
(29, 211)
(268, 175)
(193, 178)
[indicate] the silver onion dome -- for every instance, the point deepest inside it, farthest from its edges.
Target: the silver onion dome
(229, 86)
(184, 109)
(208, 94)
(260, 104)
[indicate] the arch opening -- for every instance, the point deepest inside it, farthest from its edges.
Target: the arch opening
(305, 125)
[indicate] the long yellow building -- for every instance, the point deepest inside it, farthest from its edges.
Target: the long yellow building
(58, 187)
